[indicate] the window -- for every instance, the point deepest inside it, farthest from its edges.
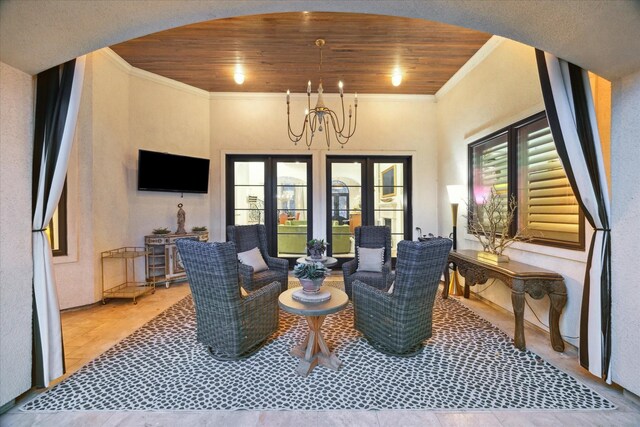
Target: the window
(57, 230)
(521, 161)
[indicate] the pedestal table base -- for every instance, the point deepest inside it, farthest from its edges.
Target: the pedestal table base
(314, 350)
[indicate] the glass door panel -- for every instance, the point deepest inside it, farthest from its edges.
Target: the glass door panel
(389, 200)
(249, 193)
(395, 221)
(345, 206)
(292, 208)
(274, 191)
(382, 200)
(369, 190)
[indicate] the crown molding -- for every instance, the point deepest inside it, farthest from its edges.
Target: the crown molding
(502, 122)
(146, 75)
(472, 63)
(137, 72)
(329, 96)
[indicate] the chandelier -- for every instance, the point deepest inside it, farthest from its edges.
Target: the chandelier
(320, 117)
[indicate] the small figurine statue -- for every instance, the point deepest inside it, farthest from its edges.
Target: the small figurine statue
(181, 220)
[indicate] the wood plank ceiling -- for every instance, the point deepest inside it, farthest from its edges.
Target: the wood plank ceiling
(277, 52)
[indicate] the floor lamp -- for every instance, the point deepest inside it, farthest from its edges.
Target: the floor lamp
(456, 195)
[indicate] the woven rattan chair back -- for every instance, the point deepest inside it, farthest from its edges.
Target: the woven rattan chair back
(418, 270)
(247, 237)
(374, 236)
(212, 272)
(230, 325)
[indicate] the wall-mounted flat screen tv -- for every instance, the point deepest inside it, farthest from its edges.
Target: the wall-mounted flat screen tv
(170, 172)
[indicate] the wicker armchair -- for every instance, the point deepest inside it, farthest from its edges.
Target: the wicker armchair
(247, 237)
(231, 326)
(369, 236)
(399, 322)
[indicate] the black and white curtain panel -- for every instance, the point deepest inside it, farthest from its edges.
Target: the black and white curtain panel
(57, 101)
(571, 113)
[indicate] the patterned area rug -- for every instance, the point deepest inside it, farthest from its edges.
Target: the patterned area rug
(467, 364)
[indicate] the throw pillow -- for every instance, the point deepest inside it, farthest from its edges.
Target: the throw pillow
(253, 258)
(370, 259)
(390, 291)
(243, 293)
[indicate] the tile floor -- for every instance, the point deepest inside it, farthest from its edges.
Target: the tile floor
(90, 331)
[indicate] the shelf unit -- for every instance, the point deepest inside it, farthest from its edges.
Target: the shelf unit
(129, 288)
(163, 263)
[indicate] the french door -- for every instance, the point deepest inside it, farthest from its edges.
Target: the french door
(367, 190)
(274, 191)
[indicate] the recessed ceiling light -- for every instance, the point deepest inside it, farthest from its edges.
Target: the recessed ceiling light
(396, 77)
(238, 77)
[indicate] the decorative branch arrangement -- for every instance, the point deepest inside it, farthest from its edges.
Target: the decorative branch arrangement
(489, 222)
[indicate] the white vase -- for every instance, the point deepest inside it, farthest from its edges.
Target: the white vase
(311, 286)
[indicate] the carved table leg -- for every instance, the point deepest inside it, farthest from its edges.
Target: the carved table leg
(445, 288)
(466, 289)
(314, 350)
(469, 278)
(558, 301)
(517, 300)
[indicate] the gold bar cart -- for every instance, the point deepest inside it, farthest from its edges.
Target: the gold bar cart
(129, 288)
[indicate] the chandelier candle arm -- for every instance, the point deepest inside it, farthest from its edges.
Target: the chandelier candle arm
(320, 117)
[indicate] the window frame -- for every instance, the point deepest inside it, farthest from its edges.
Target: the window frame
(512, 181)
(62, 226)
(270, 188)
(368, 199)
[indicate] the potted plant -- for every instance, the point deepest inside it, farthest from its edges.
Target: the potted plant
(316, 247)
(161, 230)
(490, 221)
(311, 275)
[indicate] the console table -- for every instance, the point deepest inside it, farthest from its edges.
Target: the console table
(521, 278)
(163, 261)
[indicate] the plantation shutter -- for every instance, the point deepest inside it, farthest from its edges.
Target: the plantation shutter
(547, 205)
(491, 170)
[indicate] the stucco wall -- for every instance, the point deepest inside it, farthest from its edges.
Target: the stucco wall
(16, 142)
(120, 113)
(625, 153)
(167, 119)
(500, 90)
(387, 124)
(102, 126)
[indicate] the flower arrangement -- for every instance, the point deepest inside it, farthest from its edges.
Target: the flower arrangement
(318, 244)
(161, 230)
(490, 221)
(311, 271)
(316, 247)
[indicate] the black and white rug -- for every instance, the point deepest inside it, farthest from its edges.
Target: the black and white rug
(467, 364)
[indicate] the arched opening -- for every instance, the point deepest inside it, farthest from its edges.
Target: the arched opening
(508, 21)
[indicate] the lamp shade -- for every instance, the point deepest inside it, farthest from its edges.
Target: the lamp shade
(457, 193)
